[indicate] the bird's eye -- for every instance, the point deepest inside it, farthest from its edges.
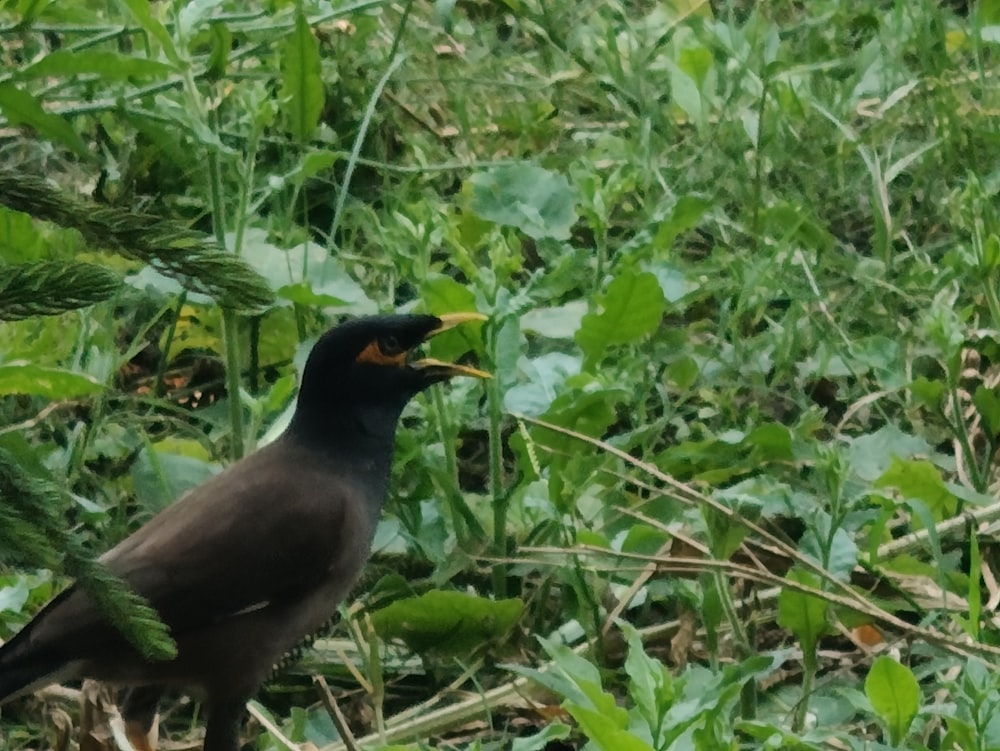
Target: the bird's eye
(390, 345)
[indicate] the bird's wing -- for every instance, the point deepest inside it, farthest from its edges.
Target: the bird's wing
(267, 529)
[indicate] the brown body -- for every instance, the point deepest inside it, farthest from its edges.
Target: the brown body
(267, 593)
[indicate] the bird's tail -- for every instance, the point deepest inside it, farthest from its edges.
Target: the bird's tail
(24, 669)
(13, 683)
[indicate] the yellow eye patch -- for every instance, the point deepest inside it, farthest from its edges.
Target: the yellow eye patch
(373, 353)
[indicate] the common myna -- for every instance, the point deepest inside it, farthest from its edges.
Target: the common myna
(245, 566)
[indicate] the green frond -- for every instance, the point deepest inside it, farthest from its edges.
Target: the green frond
(52, 287)
(173, 249)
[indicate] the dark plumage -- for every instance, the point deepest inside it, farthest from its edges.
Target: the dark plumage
(247, 564)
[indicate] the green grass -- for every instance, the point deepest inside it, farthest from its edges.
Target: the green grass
(751, 251)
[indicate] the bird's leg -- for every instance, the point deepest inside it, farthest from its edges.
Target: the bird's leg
(138, 710)
(222, 732)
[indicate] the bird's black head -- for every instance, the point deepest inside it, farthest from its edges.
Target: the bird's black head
(360, 375)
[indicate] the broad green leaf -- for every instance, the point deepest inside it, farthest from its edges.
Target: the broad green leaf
(921, 480)
(632, 308)
(770, 442)
(306, 274)
(683, 373)
(554, 680)
(988, 406)
(21, 108)
(835, 549)
(14, 596)
(603, 730)
(873, 453)
(545, 375)
(647, 678)
(301, 80)
(301, 293)
(21, 238)
(989, 12)
(894, 694)
(107, 65)
(560, 322)
(595, 709)
(581, 672)
(162, 475)
(803, 614)
(442, 294)
(51, 383)
(684, 93)
(685, 215)
(313, 163)
(795, 223)
(928, 392)
(991, 254)
(538, 202)
(726, 533)
(674, 281)
(587, 412)
(452, 622)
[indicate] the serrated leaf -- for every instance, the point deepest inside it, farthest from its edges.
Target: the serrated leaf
(301, 80)
(631, 308)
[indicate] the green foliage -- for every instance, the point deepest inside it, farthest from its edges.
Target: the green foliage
(631, 309)
(749, 252)
(536, 201)
(50, 288)
(33, 534)
(302, 84)
(447, 622)
(692, 710)
(895, 696)
(169, 247)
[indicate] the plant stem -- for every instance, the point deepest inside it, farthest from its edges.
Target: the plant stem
(497, 493)
(230, 321)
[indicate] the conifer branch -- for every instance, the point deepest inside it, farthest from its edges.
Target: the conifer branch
(52, 287)
(32, 535)
(172, 248)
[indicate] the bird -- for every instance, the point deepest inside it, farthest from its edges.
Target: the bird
(245, 566)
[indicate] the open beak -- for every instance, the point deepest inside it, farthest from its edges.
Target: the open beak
(436, 368)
